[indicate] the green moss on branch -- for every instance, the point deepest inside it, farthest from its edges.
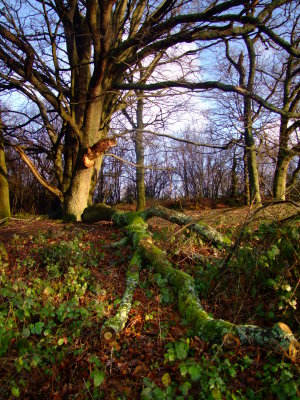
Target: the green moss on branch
(279, 337)
(205, 326)
(113, 326)
(206, 232)
(97, 212)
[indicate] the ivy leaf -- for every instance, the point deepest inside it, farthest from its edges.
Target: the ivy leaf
(195, 372)
(166, 379)
(38, 328)
(182, 350)
(15, 391)
(184, 388)
(273, 252)
(95, 360)
(146, 394)
(98, 377)
(216, 394)
(183, 369)
(26, 332)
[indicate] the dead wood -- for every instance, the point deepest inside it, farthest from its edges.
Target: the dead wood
(279, 337)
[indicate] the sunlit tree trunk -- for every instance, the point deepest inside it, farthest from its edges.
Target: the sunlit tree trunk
(251, 154)
(139, 150)
(81, 186)
(248, 125)
(246, 179)
(234, 179)
(4, 190)
(280, 177)
(291, 97)
(295, 175)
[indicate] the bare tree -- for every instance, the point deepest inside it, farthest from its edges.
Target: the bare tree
(289, 144)
(71, 59)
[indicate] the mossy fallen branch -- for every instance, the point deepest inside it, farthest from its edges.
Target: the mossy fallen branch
(113, 326)
(206, 232)
(279, 337)
(121, 243)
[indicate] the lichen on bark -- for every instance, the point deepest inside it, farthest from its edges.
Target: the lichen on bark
(205, 231)
(114, 325)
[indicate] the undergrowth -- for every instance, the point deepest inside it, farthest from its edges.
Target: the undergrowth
(47, 306)
(52, 309)
(264, 273)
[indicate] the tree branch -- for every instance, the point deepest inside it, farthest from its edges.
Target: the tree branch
(35, 172)
(208, 85)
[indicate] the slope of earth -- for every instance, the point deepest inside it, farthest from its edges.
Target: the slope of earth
(60, 282)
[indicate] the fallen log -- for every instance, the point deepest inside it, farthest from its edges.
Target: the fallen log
(279, 337)
(114, 325)
(205, 231)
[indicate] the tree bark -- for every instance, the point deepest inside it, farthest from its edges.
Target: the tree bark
(206, 232)
(288, 127)
(4, 189)
(113, 326)
(248, 126)
(280, 177)
(139, 150)
(234, 177)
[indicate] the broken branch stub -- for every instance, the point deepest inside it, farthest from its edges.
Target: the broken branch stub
(96, 150)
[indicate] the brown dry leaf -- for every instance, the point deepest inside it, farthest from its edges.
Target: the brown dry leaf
(138, 370)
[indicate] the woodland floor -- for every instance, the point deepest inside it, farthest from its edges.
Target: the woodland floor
(155, 344)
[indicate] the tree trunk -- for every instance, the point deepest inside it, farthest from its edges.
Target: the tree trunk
(280, 177)
(283, 159)
(295, 175)
(76, 199)
(4, 190)
(139, 150)
(234, 179)
(253, 175)
(251, 154)
(250, 149)
(246, 177)
(82, 185)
